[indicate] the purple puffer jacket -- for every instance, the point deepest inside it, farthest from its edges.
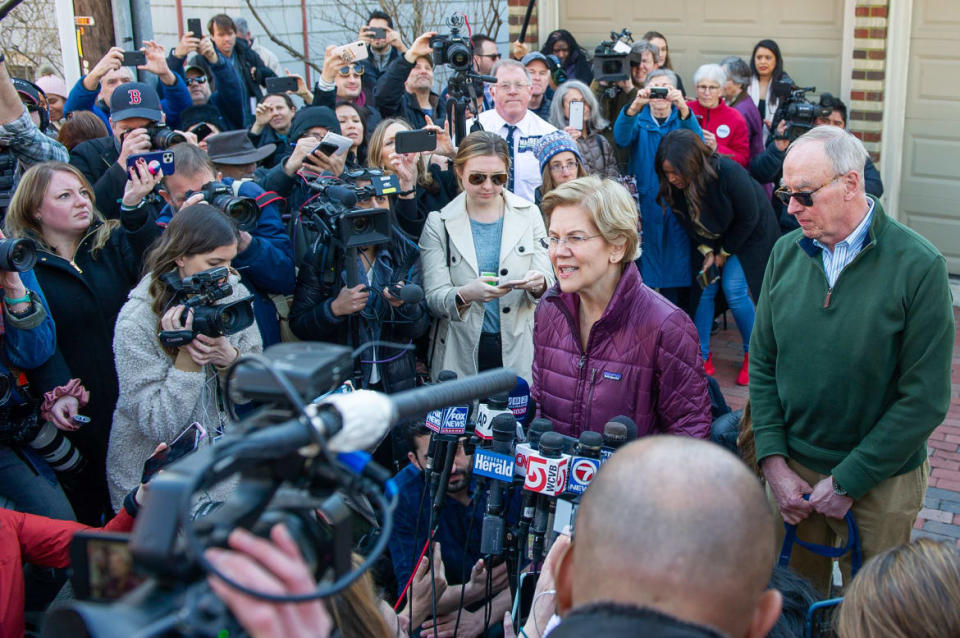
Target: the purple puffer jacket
(641, 361)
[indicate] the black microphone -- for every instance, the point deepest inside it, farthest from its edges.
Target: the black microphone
(630, 425)
(551, 446)
(408, 293)
(343, 194)
(614, 435)
(496, 464)
(445, 449)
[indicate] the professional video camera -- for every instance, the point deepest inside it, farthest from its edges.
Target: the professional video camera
(293, 458)
(611, 62)
(336, 218)
(800, 113)
(243, 210)
(201, 292)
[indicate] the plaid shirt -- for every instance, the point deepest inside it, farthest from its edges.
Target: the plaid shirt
(29, 144)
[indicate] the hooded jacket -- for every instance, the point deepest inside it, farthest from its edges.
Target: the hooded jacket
(157, 400)
(641, 361)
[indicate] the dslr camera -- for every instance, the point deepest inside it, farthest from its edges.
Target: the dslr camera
(17, 255)
(611, 62)
(800, 113)
(201, 292)
(163, 137)
(453, 48)
(243, 210)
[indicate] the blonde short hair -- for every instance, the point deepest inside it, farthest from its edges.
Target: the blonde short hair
(611, 207)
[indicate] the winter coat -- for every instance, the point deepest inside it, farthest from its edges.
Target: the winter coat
(393, 100)
(175, 99)
(312, 319)
(666, 248)
(642, 360)
(269, 136)
(735, 216)
(97, 160)
(85, 295)
(598, 156)
(254, 74)
(157, 400)
(450, 261)
(728, 126)
(745, 106)
(226, 91)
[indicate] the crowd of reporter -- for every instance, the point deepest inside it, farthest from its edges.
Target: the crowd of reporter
(576, 253)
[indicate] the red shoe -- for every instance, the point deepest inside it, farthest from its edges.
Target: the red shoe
(708, 365)
(744, 377)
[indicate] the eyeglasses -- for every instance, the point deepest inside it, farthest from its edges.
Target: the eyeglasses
(708, 89)
(201, 79)
(516, 86)
(363, 173)
(570, 241)
(492, 56)
(477, 179)
(804, 197)
(561, 168)
(356, 68)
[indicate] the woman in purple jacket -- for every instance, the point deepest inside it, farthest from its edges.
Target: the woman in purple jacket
(604, 343)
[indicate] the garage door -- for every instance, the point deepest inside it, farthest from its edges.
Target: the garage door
(930, 186)
(809, 33)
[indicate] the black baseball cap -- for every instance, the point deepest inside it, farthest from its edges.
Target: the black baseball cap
(135, 99)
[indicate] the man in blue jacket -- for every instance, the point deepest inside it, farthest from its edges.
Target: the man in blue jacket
(93, 91)
(220, 87)
(265, 254)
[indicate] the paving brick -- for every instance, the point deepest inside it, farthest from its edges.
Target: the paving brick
(948, 506)
(943, 495)
(945, 529)
(942, 473)
(943, 445)
(936, 515)
(922, 533)
(947, 484)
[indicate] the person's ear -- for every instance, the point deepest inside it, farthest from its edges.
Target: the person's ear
(219, 176)
(166, 197)
(851, 184)
(413, 459)
(179, 261)
(563, 577)
(617, 252)
(765, 614)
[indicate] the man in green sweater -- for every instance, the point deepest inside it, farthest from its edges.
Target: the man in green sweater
(850, 358)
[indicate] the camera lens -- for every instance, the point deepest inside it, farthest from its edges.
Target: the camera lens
(234, 317)
(17, 255)
(460, 56)
(165, 138)
(244, 211)
(57, 450)
(361, 224)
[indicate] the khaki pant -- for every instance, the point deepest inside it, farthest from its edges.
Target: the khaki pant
(884, 516)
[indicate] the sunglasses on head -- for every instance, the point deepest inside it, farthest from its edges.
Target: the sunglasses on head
(356, 68)
(498, 179)
(201, 79)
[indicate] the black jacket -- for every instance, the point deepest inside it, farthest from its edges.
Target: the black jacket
(393, 100)
(412, 213)
(85, 295)
(312, 319)
(767, 168)
(736, 212)
(254, 73)
(602, 620)
(97, 160)
(329, 98)
(270, 136)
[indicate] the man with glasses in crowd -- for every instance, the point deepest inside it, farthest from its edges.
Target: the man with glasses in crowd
(210, 80)
(850, 358)
(344, 81)
(511, 119)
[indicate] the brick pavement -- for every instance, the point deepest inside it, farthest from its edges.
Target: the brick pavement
(940, 517)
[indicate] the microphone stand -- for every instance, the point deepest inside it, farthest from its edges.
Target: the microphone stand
(353, 327)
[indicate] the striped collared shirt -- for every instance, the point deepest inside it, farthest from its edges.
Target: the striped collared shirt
(845, 251)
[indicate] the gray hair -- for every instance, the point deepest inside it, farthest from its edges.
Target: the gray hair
(510, 63)
(845, 151)
(241, 24)
(737, 70)
(561, 121)
(670, 75)
(713, 72)
(638, 47)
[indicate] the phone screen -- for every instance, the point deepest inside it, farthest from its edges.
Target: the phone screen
(186, 442)
(102, 566)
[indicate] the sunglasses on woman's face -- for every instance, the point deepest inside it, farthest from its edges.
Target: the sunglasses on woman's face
(477, 179)
(356, 68)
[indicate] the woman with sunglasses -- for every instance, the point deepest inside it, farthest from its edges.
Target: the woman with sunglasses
(424, 185)
(604, 343)
(345, 81)
(484, 266)
(728, 215)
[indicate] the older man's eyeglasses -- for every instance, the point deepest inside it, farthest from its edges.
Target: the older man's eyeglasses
(516, 86)
(570, 241)
(804, 197)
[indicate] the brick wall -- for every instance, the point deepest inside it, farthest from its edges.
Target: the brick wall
(517, 9)
(869, 65)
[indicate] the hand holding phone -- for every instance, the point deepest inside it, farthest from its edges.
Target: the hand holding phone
(134, 58)
(576, 114)
(415, 141)
(281, 84)
(708, 275)
(186, 442)
(353, 52)
(193, 26)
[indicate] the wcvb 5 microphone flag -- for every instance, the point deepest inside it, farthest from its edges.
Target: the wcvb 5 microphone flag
(546, 475)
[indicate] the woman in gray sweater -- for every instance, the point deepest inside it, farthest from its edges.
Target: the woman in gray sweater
(163, 389)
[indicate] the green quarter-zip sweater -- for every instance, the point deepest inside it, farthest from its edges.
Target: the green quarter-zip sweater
(850, 381)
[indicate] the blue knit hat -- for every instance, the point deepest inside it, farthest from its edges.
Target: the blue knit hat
(552, 143)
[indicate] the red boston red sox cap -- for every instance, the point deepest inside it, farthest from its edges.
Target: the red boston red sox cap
(135, 99)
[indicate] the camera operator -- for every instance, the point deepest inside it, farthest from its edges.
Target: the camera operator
(342, 80)
(94, 91)
(264, 254)
(163, 389)
(304, 160)
(135, 112)
(22, 143)
(463, 510)
(86, 269)
(767, 166)
(406, 88)
(320, 310)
